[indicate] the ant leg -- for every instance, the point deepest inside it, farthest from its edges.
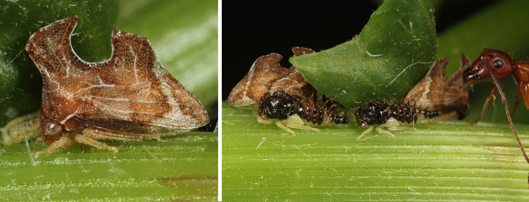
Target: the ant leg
(365, 132)
(518, 98)
(492, 95)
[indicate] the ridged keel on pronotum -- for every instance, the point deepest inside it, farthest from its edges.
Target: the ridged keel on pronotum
(129, 97)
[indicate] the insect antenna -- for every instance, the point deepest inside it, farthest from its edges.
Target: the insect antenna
(504, 100)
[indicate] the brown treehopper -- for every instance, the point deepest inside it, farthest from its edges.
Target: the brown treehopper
(283, 96)
(436, 91)
(267, 76)
(436, 97)
(129, 97)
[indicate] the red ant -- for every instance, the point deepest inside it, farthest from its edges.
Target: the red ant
(503, 67)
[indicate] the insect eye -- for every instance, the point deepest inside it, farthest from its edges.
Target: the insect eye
(498, 63)
(53, 129)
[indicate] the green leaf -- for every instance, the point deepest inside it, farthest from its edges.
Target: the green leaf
(392, 53)
(440, 161)
(20, 81)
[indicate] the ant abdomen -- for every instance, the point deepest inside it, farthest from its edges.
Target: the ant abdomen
(280, 105)
(379, 112)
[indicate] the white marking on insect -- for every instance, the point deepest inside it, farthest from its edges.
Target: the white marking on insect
(69, 116)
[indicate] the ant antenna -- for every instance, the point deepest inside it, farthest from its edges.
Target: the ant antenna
(504, 100)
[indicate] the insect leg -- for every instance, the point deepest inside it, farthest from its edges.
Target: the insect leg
(278, 124)
(261, 120)
(492, 94)
(103, 135)
(365, 132)
(153, 136)
(290, 125)
(94, 143)
(401, 128)
(64, 140)
(518, 98)
(380, 130)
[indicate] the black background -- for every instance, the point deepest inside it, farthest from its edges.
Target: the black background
(254, 28)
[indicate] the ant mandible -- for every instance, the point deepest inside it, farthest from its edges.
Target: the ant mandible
(503, 67)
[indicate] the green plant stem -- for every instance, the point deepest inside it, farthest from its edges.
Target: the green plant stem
(180, 166)
(445, 160)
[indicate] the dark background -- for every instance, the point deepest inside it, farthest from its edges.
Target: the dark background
(251, 29)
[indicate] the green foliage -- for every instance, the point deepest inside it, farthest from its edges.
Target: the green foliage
(392, 53)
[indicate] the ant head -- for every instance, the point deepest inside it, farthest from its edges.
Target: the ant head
(499, 61)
